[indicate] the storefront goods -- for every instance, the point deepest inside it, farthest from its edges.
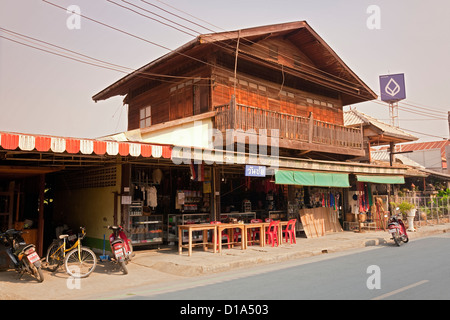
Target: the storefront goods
(319, 221)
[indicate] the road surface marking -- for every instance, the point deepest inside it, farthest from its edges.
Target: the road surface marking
(400, 290)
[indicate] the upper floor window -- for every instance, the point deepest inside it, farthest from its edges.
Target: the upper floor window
(145, 117)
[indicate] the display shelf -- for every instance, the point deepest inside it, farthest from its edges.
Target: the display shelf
(146, 229)
(189, 218)
(239, 216)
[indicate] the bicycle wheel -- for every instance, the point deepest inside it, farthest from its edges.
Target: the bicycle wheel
(54, 256)
(80, 266)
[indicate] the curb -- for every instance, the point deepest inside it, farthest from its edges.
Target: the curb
(221, 266)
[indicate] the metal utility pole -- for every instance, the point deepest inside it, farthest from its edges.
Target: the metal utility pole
(449, 125)
(393, 113)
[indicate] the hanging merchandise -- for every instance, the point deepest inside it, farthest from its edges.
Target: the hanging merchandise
(157, 176)
(152, 199)
(363, 197)
(332, 201)
(197, 171)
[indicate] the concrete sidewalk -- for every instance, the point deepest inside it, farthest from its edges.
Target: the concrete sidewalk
(163, 266)
(203, 262)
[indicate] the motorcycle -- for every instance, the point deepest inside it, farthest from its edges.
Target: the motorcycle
(121, 247)
(397, 229)
(24, 256)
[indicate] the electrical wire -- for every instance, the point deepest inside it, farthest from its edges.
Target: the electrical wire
(257, 44)
(419, 110)
(82, 58)
(130, 34)
(232, 50)
(109, 26)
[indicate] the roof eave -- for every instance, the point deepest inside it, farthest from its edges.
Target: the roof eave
(113, 89)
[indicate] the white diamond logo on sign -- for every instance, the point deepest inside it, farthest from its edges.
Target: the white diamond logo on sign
(392, 88)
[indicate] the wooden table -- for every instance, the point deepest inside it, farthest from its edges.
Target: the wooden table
(230, 226)
(196, 227)
(257, 225)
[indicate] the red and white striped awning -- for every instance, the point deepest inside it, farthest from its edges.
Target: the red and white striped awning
(27, 142)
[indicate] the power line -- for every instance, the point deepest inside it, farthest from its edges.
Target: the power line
(161, 46)
(128, 33)
(417, 132)
(82, 58)
(419, 105)
(406, 109)
(178, 16)
(425, 134)
(148, 17)
(232, 48)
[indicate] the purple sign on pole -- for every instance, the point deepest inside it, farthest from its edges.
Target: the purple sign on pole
(392, 87)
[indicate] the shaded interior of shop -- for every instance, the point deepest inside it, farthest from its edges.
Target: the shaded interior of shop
(151, 198)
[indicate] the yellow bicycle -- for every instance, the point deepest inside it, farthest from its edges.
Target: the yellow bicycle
(78, 261)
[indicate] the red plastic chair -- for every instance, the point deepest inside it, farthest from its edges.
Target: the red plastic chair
(253, 232)
(290, 231)
(224, 234)
(272, 233)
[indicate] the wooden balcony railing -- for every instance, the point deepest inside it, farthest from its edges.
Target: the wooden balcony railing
(303, 129)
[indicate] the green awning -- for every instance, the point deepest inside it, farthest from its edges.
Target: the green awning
(284, 177)
(307, 178)
(304, 178)
(381, 179)
(341, 180)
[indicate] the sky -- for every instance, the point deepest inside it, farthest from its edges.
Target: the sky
(43, 93)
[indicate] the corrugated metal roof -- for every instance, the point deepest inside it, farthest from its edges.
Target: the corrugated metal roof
(383, 155)
(441, 144)
(354, 118)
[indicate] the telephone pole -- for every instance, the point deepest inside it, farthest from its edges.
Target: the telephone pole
(449, 125)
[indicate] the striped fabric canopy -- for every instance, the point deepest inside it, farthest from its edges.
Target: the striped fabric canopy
(27, 142)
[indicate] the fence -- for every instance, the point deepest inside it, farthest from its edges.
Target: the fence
(429, 210)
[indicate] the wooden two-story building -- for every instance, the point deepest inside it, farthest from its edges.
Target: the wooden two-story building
(281, 82)
(283, 76)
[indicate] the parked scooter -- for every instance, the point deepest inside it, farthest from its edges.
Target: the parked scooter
(397, 229)
(121, 247)
(24, 256)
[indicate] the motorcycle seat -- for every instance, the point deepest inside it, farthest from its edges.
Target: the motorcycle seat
(23, 247)
(395, 224)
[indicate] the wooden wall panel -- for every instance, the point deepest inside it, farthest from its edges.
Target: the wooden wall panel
(260, 94)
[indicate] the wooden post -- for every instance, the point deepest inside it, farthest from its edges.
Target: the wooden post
(391, 153)
(12, 186)
(311, 127)
(233, 112)
(40, 240)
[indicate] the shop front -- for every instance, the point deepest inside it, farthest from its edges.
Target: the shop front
(247, 192)
(316, 198)
(162, 196)
(369, 200)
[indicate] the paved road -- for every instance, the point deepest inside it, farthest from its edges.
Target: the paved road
(417, 270)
